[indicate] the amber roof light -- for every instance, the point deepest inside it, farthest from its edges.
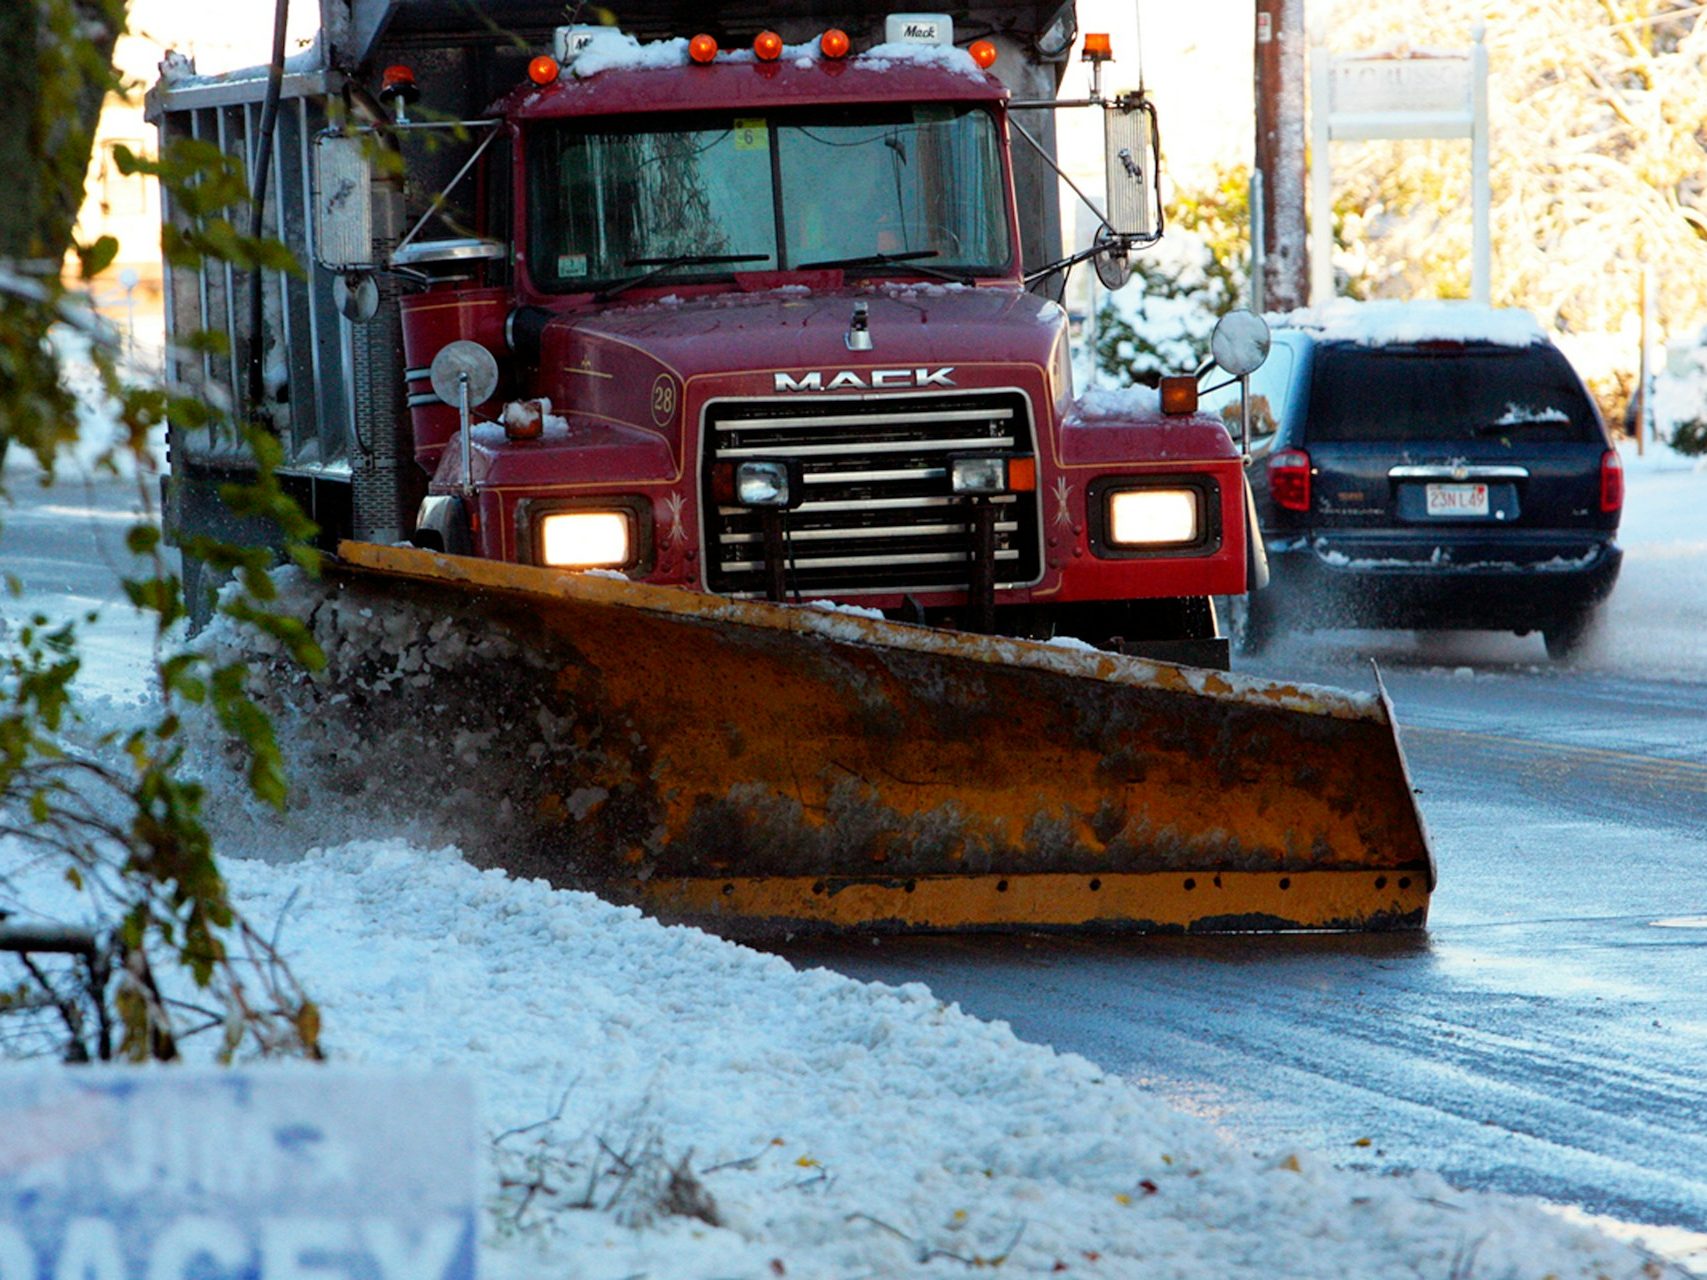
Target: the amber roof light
(983, 53)
(543, 69)
(767, 46)
(835, 43)
(703, 49)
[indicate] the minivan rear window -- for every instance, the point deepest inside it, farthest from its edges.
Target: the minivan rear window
(1456, 392)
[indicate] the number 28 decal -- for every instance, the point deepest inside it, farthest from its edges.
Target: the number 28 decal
(664, 400)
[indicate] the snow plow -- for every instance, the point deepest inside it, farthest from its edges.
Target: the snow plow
(661, 338)
(760, 768)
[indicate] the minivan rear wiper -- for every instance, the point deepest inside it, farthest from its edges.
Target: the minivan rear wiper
(661, 265)
(1509, 426)
(886, 259)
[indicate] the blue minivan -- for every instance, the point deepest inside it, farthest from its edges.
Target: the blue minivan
(1427, 466)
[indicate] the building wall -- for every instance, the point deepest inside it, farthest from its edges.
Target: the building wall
(219, 37)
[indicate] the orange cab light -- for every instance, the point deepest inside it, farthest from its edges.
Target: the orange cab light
(1022, 475)
(983, 53)
(396, 75)
(835, 43)
(1179, 394)
(543, 69)
(703, 49)
(768, 46)
(1097, 47)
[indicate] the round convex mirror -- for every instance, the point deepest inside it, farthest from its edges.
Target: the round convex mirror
(459, 357)
(1113, 262)
(1240, 342)
(356, 296)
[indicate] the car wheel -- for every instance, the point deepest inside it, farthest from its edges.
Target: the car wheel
(1250, 623)
(1565, 640)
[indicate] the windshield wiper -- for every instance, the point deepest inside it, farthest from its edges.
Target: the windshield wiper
(888, 259)
(661, 265)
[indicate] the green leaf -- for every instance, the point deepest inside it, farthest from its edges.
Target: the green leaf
(97, 257)
(142, 539)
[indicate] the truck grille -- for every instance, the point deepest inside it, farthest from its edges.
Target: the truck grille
(878, 515)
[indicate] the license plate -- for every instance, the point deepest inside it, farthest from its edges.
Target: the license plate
(1458, 499)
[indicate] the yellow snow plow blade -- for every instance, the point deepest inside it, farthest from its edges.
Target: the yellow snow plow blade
(765, 768)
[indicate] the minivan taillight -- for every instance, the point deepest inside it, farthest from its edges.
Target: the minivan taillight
(1289, 479)
(1611, 481)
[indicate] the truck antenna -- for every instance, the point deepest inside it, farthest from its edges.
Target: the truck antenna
(1138, 18)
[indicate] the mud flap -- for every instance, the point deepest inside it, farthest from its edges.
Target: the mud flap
(758, 767)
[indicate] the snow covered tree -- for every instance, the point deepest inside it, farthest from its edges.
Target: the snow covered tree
(1599, 161)
(1161, 321)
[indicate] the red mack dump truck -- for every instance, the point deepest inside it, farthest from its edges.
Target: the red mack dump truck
(739, 305)
(778, 307)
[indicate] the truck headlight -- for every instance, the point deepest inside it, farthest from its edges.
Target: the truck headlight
(1000, 473)
(762, 484)
(586, 540)
(1153, 517)
(978, 475)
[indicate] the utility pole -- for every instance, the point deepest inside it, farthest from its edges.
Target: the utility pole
(1280, 123)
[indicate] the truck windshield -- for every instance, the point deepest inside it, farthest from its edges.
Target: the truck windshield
(787, 188)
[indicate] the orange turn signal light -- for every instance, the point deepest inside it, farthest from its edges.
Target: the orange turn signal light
(703, 49)
(983, 53)
(767, 46)
(1022, 475)
(835, 43)
(543, 69)
(1097, 48)
(1179, 394)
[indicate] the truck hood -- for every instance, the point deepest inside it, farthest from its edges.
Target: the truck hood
(912, 326)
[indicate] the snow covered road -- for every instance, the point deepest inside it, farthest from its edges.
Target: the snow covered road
(1549, 1035)
(840, 1129)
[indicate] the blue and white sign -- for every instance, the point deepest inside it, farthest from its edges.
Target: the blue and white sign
(289, 1173)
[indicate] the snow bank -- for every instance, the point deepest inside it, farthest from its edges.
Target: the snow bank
(674, 1104)
(1655, 621)
(1428, 320)
(1680, 388)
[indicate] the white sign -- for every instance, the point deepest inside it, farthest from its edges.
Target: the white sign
(1357, 98)
(291, 1173)
(1383, 86)
(919, 28)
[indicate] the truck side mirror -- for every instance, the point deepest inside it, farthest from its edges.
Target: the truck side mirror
(1131, 144)
(1239, 346)
(1240, 343)
(1113, 260)
(343, 205)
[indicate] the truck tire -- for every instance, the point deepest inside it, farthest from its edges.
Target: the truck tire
(1250, 623)
(201, 591)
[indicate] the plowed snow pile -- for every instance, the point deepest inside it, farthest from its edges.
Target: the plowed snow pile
(835, 1127)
